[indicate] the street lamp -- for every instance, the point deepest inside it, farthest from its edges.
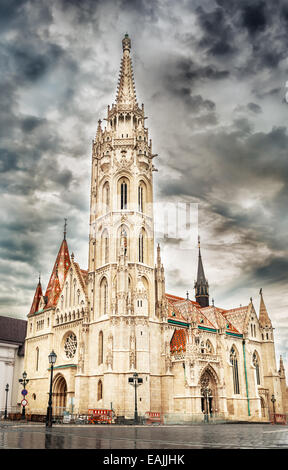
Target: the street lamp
(136, 381)
(6, 390)
(52, 359)
(273, 399)
(24, 382)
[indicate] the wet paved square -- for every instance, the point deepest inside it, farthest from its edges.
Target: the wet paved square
(212, 436)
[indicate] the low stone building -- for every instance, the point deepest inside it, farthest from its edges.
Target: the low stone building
(12, 340)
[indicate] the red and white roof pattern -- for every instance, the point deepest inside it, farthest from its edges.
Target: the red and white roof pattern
(58, 275)
(37, 296)
(186, 310)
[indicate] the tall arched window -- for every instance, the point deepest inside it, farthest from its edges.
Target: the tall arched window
(37, 358)
(104, 296)
(100, 390)
(100, 348)
(105, 247)
(234, 362)
(140, 197)
(106, 197)
(255, 360)
(141, 248)
(123, 190)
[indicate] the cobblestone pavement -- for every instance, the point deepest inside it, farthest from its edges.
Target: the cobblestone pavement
(219, 436)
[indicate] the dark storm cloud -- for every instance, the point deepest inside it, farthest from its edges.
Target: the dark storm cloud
(254, 107)
(273, 269)
(218, 38)
(256, 29)
(29, 63)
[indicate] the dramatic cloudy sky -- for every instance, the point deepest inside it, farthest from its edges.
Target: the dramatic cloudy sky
(212, 75)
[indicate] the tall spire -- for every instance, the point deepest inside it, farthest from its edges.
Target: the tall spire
(37, 296)
(126, 88)
(264, 319)
(201, 285)
(59, 272)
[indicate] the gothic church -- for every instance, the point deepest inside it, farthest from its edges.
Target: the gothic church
(115, 318)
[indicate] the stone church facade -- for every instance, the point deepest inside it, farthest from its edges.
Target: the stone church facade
(115, 318)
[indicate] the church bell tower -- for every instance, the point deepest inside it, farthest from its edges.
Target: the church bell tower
(121, 283)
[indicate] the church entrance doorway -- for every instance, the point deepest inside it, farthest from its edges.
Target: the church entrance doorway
(59, 395)
(208, 394)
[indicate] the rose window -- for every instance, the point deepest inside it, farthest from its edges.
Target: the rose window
(70, 345)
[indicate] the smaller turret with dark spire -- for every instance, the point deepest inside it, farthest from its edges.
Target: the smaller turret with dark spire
(201, 285)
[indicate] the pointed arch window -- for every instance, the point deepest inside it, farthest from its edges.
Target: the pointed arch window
(123, 189)
(234, 362)
(140, 197)
(255, 361)
(105, 247)
(100, 390)
(141, 248)
(104, 296)
(106, 197)
(100, 348)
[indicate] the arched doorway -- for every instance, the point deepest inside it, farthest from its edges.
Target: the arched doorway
(208, 387)
(59, 395)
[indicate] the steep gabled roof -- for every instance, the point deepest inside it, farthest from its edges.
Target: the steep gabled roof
(185, 310)
(37, 296)
(58, 275)
(264, 319)
(237, 317)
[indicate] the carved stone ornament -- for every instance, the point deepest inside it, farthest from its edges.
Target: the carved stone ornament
(70, 346)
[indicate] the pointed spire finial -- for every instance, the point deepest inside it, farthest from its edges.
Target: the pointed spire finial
(126, 94)
(201, 285)
(260, 291)
(39, 278)
(187, 295)
(126, 43)
(65, 228)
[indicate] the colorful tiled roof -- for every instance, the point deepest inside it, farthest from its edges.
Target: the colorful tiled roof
(58, 275)
(181, 309)
(178, 341)
(37, 296)
(237, 316)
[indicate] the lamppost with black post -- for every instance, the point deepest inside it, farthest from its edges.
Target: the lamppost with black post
(6, 390)
(136, 381)
(24, 382)
(52, 359)
(273, 399)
